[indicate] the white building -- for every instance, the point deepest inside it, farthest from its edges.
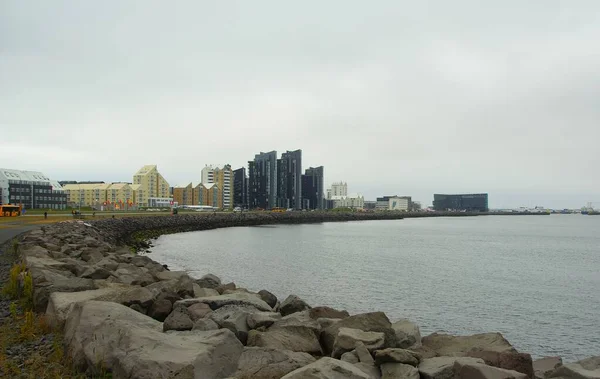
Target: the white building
(337, 189)
(352, 201)
(31, 189)
(398, 204)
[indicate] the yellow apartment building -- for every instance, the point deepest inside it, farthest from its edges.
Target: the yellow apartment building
(119, 196)
(209, 194)
(88, 194)
(115, 195)
(184, 195)
(151, 184)
(223, 177)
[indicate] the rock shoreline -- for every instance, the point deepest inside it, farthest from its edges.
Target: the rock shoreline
(131, 316)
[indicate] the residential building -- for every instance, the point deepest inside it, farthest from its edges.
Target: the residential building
(31, 189)
(117, 196)
(210, 194)
(477, 202)
(338, 189)
(289, 180)
(352, 201)
(262, 180)
(383, 203)
(120, 196)
(223, 177)
(135, 189)
(152, 185)
(184, 195)
(312, 188)
(86, 194)
(240, 188)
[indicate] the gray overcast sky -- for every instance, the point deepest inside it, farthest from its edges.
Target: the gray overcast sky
(395, 97)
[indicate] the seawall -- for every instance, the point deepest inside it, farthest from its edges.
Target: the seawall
(128, 315)
(121, 230)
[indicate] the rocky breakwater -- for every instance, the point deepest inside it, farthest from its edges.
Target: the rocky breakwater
(128, 315)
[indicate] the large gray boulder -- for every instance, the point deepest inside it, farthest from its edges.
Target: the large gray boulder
(209, 281)
(443, 367)
(96, 272)
(262, 319)
(326, 312)
(328, 368)
(493, 348)
(58, 283)
(363, 354)
(199, 311)
(240, 298)
(299, 319)
(446, 344)
(370, 369)
(399, 370)
(130, 345)
(108, 263)
(133, 275)
(178, 319)
(60, 304)
(160, 309)
(544, 366)
(396, 356)
(348, 338)
(508, 360)
(292, 304)
(234, 318)
(350, 357)
(408, 334)
(588, 368)
(264, 363)
(205, 324)
(91, 256)
(368, 322)
(268, 298)
(204, 292)
(226, 288)
(463, 370)
(289, 337)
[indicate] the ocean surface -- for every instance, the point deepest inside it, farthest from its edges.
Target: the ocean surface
(535, 279)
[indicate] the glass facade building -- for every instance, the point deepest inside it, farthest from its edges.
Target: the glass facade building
(477, 202)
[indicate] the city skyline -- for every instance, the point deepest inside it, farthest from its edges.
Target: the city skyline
(407, 98)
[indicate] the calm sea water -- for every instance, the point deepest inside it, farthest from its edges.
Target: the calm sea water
(535, 279)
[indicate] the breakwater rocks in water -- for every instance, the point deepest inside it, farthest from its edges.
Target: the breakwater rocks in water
(126, 314)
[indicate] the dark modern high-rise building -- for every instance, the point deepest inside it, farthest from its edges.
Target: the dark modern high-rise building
(477, 202)
(312, 188)
(240, 188)
(289, 180)
(262, 181)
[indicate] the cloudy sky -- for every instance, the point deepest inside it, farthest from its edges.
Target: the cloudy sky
(396, 97)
